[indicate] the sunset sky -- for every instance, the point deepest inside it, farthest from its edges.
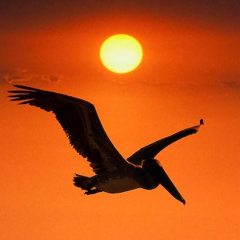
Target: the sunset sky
(190, 70)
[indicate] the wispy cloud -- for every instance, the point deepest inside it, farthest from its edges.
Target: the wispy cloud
(230, 84)
(21, 75)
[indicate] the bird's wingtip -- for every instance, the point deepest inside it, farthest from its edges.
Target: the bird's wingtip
(201, 121)
(25, 87)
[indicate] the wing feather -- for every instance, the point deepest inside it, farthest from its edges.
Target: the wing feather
(151, 150)
(81, 123)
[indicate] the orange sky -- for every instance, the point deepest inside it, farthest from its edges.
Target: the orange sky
(190, 71)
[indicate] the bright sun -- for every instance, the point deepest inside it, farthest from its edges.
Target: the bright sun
(121, 53)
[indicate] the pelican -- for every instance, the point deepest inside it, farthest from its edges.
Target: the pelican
(113, 173)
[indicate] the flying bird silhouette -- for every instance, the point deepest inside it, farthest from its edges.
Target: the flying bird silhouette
(113, 174)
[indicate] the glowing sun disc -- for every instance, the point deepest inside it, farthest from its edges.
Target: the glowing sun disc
(121, 53)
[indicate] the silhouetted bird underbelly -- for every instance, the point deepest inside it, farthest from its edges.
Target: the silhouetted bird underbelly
(117, 185)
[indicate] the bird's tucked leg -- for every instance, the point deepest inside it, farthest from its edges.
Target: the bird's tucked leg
(92, 191)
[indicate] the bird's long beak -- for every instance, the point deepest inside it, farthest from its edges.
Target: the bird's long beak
(166, 182)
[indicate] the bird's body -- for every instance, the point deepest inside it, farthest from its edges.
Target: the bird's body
(133, 177)
(114, 174)
(117, 184)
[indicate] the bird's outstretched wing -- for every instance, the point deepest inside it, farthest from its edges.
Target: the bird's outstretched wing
(80, 121)
(151, 150)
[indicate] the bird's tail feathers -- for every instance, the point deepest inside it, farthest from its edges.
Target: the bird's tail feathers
(81, 181)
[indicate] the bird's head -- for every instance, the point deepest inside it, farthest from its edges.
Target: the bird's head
(150, 162)
(151, 165)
